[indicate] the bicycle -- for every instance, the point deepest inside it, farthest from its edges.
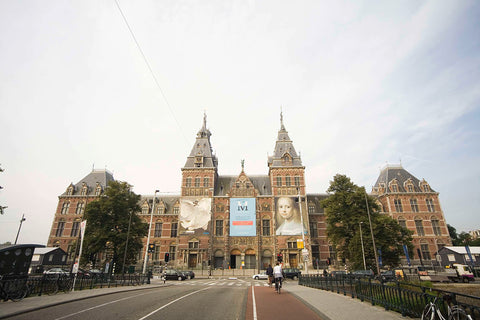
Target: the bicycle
(278, 284)
(59, 283)
(432, 311)
(13, 289)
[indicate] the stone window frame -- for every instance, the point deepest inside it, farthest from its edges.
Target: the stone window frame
(60, 228)
(414, 205)
(266, 226)
(430, 204)
(65, 207)
(398, 205)
(80, 209)
(419, 228)
(157, 233)
(219, 227)
(402, 221)
(437, 230)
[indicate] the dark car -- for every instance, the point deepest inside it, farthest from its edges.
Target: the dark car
(388, 276)
(292, 273)
(172, 274)
(363, 274)
(189, 274)
(339, 274)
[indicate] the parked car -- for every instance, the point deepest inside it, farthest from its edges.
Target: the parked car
(292, 273)
(172, 274)
(189, 274)
(389, 275)
(339, 273)
(260, 276)
(363, 274)
(83, 273)
(56, 271)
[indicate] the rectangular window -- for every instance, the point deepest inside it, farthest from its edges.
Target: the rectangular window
(197, 182)
(75, 229)
(193, 245)
(436, 227)
(60, 227)
(279, 181)
(80, 207)
(156, 253)
(176, 210)
(188, 183)
(425, 252)
(410, 188)
(313, 229)
(394, 188)
(287, 181)
(414, 205)
(419, 227)
(219, 228)
(398, 205)
(266, 227)
(430, 205)
(403, 223)
(297, 181)
(172, 253)
(292, 245)
(205, 182)
(173, 233)
(311, 208)
(65, 207)
(158, 229)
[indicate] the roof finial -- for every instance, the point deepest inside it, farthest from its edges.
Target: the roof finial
(243, 164)
(204, 119)
(281, 118)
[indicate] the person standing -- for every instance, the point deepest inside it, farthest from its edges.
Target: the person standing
(278, 274)
(270, 275)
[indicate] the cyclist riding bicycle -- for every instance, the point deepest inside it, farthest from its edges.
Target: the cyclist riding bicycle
(278, 275)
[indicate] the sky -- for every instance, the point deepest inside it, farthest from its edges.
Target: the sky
(124, 85)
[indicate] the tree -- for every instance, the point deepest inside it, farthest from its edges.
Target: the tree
(345, 209)
(108, 220)
(453, 234)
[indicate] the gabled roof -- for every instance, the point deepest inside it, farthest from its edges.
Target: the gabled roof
(47, 250)
(260, 182)
(462, 250)
(102, 177)
(391, 172)
(169, 200)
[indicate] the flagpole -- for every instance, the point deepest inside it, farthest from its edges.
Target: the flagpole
(83, 225)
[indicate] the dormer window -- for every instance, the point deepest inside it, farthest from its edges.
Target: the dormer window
(161, 208)
(145, 208)
(70, 190)
(84, 189)
(426, 188)
(287, 159)
(98, 189)
(198, 161)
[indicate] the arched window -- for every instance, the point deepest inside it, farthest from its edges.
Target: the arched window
(402, 222)
(425, 250)
(419, 226)
(80, 207)
(436, 226)
(65, 207)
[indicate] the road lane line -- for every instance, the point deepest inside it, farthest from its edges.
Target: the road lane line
(254, 304)
(155, 311)
(99, 306)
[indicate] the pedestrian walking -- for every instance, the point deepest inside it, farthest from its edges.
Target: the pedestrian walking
(270, 275)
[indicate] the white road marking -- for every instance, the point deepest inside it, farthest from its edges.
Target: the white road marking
(100, 305)
(155, 311)
(254, 305)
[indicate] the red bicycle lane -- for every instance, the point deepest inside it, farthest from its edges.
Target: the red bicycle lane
(264, 304)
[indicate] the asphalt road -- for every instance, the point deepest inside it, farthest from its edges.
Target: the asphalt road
(192, 299)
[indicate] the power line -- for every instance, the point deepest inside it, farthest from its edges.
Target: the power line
(150, 69)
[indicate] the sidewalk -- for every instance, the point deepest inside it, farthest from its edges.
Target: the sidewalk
(329, 305)
(334, 306)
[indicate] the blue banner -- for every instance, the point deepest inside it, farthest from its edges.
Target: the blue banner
(405, 249)
(380, 257)
(467, 248)
(242, 217)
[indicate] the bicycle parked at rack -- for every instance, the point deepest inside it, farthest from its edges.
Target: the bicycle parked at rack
(14, 289)
(57, 283)
(432, 311)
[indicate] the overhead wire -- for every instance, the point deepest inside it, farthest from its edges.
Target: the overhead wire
(151, 70)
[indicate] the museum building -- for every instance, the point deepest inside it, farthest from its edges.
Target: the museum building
(246, 221)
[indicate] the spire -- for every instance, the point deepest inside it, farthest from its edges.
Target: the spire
(202, 155)
(284, 153)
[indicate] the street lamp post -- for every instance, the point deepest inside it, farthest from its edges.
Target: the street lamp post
(363, 249)
(149, 231)
(20, 227)
(126, 243)
(304, 250)
(371, 231)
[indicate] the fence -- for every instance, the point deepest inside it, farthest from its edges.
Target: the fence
(405, 298)
(53, 283)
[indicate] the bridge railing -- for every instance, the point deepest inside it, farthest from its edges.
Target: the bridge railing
(405, 298)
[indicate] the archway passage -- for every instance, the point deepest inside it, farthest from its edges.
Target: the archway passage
(235, 259)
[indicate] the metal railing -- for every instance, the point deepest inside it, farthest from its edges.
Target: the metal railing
(53, 283)
(405, 298)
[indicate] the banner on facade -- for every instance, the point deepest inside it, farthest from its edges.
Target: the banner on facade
(405, 249)
(195, 214)
(242, 217)
(287, 215)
